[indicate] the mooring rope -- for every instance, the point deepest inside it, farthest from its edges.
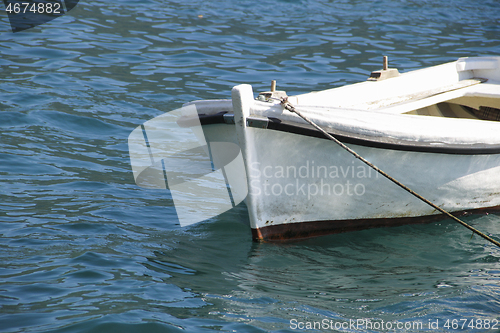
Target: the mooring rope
(287, 105)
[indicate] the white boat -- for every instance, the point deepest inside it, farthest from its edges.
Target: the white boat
(436, 130)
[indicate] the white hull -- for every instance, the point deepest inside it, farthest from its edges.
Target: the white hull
(301, 185)
(315, 180)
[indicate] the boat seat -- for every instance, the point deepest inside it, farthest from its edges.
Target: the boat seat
(470, 87)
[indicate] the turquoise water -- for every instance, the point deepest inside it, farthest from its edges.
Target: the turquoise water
(83, 249)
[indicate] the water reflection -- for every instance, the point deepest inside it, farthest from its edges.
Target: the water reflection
(73, 89)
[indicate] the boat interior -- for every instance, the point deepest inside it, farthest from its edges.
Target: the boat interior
(473, 108)
(468, 88)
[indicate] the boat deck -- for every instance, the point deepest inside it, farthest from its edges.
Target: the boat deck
(469, 82)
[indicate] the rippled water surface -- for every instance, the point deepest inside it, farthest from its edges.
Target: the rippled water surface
(83, 249)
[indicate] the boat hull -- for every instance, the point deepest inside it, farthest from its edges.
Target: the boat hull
(303, 186)
(300, 184)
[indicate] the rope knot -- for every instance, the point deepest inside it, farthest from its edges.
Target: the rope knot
(286, 104)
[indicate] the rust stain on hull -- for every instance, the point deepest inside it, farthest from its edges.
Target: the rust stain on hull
(303, 230)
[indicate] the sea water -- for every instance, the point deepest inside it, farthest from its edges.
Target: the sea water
(84, 249)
